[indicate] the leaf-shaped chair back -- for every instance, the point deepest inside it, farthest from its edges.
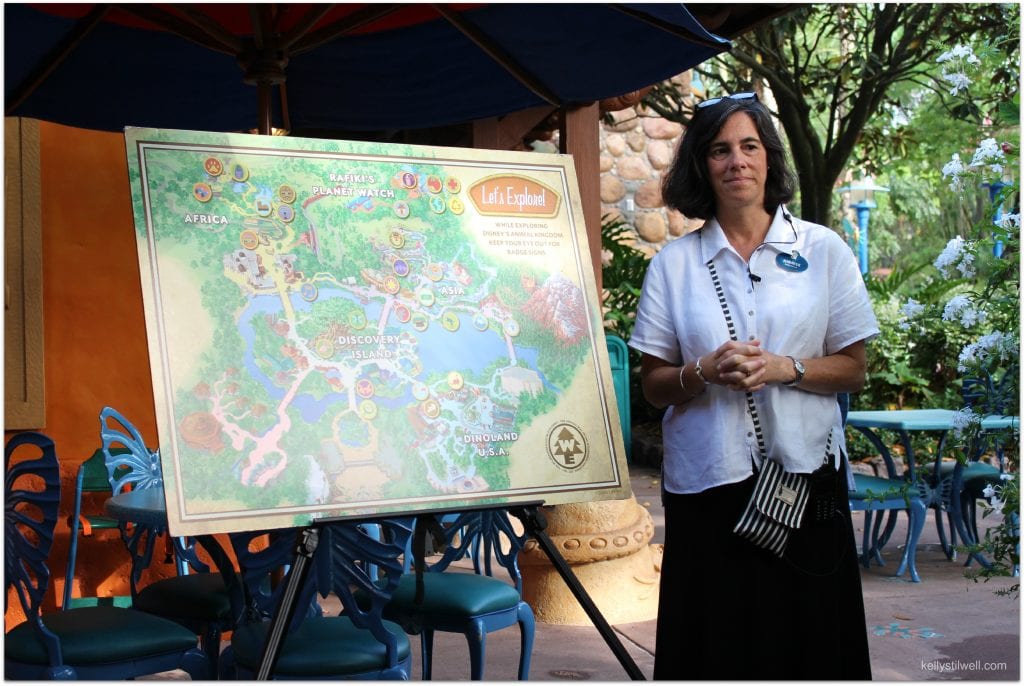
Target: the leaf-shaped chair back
(31, 502)
(990, 395)
(353, 560)
(258, 560)
(144, 464)
(484, 536)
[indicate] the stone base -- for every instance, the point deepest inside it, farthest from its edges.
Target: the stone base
(607, 546)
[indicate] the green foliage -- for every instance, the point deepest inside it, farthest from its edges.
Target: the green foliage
(622, 278)
(622, 275)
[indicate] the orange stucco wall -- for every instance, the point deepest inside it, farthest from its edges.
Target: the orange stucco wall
(95, 336)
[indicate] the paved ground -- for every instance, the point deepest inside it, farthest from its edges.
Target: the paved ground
(946, 627)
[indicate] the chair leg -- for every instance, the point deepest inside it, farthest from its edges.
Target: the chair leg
(952, 535)
(69, 572)
(195, 664)
(890, 526)
(476, 636)
(879, 539)
(526, 628)
(865, 555)
(918, 512)
(427, 653)
(947, 548)
(210, 643)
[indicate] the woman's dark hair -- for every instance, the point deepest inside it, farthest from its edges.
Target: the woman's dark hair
(687, 187)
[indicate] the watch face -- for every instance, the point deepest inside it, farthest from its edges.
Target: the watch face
(799, 368)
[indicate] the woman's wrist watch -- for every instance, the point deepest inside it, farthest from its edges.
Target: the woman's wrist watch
(799, 367)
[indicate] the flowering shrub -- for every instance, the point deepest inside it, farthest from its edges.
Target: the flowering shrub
(983, 302)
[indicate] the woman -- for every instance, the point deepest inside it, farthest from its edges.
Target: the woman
(800, 317)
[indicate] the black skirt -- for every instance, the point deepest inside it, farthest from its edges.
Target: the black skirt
(730, 610)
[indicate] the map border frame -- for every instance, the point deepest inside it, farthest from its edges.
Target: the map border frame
(609, 448)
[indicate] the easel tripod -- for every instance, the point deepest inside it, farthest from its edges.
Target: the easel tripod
(533, 522)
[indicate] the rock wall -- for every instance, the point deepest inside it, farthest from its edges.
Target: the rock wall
(637, 148)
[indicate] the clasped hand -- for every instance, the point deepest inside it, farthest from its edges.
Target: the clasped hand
(741, 366)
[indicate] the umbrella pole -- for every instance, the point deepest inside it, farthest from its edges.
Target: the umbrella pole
(263, 107)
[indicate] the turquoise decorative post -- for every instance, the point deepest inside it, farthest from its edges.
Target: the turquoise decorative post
(863, 201)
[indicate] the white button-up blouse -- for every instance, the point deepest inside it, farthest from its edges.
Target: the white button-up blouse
(710, 441)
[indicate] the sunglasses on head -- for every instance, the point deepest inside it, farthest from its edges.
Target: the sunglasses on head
(736, 96)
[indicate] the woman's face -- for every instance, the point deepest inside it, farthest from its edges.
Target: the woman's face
(738, 164)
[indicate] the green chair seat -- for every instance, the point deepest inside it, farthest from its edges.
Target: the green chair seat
(455, 594)
(192, 596)
(976, 475)
(99, 635)
(353, 650)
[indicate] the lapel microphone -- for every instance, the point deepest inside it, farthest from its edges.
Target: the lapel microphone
(754, 278)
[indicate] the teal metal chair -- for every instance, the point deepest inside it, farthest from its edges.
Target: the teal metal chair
(472, 604)
(196, 597)
(618, 359)
(91, 477)
(875, 495)
(957, 486)
(358, 644)
(105, 643)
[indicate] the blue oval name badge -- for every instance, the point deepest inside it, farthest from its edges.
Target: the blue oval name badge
(791, 263)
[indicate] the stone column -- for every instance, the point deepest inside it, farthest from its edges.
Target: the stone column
(607, 546)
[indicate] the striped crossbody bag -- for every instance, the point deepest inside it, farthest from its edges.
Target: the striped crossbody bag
(779, 501)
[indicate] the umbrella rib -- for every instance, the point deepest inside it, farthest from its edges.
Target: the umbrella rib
(304, 25)
(353, 21)
(525, 77)
(56, 56)
(183, 29)
(211, 28)
(677, 31)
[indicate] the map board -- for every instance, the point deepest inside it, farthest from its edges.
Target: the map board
(342, 329)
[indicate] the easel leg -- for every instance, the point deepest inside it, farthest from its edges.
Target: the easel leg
(308, 539)
(535, 524)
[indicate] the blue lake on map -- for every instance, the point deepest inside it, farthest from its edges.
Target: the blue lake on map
(468, 351)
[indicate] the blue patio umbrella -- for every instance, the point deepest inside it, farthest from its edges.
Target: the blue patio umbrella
(352, 67)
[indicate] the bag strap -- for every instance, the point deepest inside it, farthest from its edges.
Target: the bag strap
(751, 405)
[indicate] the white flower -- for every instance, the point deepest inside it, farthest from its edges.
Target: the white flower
(1009, 221)
(998, 345)
(964, 419)
(959, 81)
(991, 494)
(990, 154)
(955, 169)
(959, 308)
(911, 310)
(956, 253)
(962, 52)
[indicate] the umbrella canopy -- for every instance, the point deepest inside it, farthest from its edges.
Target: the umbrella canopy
(357, 67)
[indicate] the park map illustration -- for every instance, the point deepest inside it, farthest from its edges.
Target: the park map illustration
(338, 329)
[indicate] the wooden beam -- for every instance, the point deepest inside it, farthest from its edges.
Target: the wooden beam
(580, 137)
(507, 132)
